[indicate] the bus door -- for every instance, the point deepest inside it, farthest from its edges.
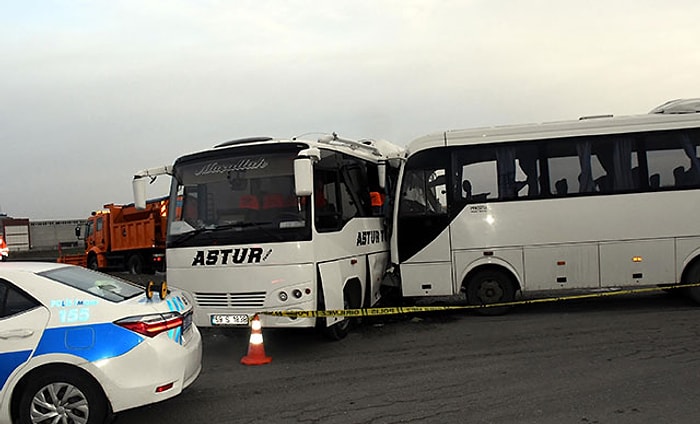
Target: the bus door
(349, 240)
(423, 231)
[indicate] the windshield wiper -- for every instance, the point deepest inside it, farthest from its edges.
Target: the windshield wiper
(188, 235)
(234, 225)
(257, 225)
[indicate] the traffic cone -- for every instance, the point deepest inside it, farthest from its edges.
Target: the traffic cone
(256, 350)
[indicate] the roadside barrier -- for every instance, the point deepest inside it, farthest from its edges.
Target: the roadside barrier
(398, 310)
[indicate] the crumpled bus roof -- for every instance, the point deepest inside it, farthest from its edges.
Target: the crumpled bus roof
(679, 106)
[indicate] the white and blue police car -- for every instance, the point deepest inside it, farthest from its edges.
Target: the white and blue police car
(77, 346)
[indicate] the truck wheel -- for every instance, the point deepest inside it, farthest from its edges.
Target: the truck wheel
(92, 263)
(490, 286)
(135, 264)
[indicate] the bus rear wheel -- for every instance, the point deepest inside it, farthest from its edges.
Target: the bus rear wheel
(490, 286)
(693, 277)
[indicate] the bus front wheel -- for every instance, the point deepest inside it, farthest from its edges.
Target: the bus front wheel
(339, 330)
(488, 287)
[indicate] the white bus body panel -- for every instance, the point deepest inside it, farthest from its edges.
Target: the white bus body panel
(358, 250)
(260, 272)
(467, 260)
(562, 266)
(426, 279)
(342, 270)
(640, 262)
(686, 250)
(564, 243)
(246, 288)
(378, 263)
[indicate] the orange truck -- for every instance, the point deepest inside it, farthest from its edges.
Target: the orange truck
(123, 237)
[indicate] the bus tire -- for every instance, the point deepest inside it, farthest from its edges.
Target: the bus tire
(339, 330)
(490, 286)
(692, 277)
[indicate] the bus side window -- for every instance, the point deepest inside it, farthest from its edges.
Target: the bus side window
(437, 192)
(477, 175)
(326, 203)
(572, 168)
(673, 160)
(413, 193)
(334, 201)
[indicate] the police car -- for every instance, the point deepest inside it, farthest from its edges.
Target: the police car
(77, 345)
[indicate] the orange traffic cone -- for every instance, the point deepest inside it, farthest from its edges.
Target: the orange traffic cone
(256, 350)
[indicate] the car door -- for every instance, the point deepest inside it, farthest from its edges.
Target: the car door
(22, 322)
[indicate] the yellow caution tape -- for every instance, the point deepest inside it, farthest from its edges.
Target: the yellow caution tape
(397, 310)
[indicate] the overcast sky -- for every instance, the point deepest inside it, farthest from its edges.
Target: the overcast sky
(93, 91)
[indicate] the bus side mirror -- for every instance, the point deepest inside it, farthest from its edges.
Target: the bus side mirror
(381, 171)
(304, 171)
(139, 186)
(139, 183)
(303, 176)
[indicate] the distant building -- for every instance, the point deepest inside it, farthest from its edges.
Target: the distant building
(15, 231)
(46, 235)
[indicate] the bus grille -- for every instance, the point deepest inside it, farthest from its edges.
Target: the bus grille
(230, 300)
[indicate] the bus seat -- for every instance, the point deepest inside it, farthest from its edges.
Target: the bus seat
(603, 184)
(679, 176)
(562, 187)
(248, 201)
(655, 181)
(376, 201)
(277, 201)
(376, 198)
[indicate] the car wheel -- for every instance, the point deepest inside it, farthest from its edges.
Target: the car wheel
(490, 286)
(62, 398)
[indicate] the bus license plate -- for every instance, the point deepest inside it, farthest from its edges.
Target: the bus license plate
(229, 319)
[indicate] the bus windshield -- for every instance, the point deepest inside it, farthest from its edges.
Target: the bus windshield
(237, 195)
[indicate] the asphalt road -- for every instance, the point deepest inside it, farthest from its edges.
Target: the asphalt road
(633, 359)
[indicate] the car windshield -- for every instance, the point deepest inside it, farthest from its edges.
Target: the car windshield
(96, 283)
(237, 195)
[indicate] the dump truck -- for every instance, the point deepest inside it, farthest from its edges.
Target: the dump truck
(122, 237)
